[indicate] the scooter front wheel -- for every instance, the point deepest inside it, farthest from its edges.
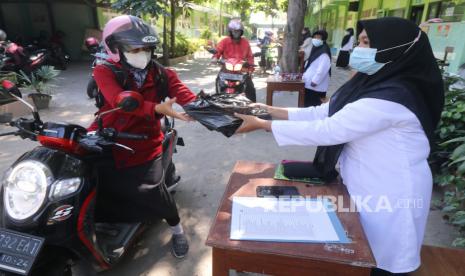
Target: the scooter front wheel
(60, 267)
(92, 88)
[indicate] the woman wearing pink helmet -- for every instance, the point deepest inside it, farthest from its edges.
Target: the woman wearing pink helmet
(134, 189)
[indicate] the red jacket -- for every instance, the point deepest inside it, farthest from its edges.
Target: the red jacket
(145, 122)
(228, 48)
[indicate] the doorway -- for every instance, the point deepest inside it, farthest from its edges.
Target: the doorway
(416, 14)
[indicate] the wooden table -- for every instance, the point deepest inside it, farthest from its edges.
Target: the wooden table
(282, 258)
(275, 84)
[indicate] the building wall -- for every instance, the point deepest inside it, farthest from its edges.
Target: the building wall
(73, 20)
(448, 10)
(369, 9)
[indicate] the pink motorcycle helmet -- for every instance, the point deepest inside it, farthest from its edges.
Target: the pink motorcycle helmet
(125, 33)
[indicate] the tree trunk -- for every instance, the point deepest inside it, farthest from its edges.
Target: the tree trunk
(165, 43)
(295, 22)
(220, 27)
(173, 27)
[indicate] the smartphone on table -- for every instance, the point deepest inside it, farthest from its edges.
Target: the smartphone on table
(277, 191)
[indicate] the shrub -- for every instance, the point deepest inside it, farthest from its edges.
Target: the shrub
(206, 34)
(40, 79)
(448, 159)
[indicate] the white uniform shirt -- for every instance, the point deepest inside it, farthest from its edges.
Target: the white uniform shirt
(349, 45)
(318, 72)
(383, 164)
(307, 47)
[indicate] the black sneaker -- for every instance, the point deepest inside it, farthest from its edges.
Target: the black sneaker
(180, 246)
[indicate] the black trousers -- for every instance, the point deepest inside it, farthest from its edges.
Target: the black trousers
(380, 272)
(343, 59)
(250, 91)
(313, 98)
(135, 194)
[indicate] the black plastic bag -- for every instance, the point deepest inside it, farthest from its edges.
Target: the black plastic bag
(216, 112)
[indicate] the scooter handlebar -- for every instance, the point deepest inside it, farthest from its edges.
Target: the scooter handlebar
(124, 135)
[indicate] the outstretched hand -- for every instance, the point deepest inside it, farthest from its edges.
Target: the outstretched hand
(166, 109)
(252, 123)
(261, 106)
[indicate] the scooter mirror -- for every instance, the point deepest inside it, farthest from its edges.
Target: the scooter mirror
(212, 51)
(92, 44)
(8, 89)
(129, 101)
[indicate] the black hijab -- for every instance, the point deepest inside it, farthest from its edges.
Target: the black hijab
(412, 79)
(346, 38)
(318, 51)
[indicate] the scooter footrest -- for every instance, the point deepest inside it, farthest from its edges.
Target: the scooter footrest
(106, 229)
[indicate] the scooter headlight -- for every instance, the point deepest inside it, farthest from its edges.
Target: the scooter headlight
(229, 66)
(25, 189)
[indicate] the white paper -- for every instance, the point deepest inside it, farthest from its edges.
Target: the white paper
(272, 219)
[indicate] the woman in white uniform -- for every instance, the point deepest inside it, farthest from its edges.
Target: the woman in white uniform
(379, 126)
(317, 70)
(346, 46)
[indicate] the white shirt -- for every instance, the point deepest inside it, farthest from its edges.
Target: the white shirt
(384, 162)
(318, 72)
(307, 47)
(349, 45)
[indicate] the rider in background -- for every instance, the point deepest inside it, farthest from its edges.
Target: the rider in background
(265, 44)
(236, 46)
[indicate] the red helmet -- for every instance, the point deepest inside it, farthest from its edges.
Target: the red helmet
(91, 42)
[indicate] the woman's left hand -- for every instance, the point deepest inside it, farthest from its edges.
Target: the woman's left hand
(252, 123)
(166, 108)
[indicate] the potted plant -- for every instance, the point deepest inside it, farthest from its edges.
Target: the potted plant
(40, 82)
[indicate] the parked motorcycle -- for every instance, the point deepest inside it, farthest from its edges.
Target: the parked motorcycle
(99, 54)
(17, 59)
(57, 56)
(49, 194)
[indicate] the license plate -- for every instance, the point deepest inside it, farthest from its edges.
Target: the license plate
(18, 251)
(228, 76)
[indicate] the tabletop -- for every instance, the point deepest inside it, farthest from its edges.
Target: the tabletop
(246, 176)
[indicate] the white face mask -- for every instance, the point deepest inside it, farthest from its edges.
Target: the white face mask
(317, 42)
(138, 60)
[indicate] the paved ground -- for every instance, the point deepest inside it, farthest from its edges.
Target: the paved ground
(205, 164)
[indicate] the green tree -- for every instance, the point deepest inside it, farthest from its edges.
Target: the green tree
(295, 23)
(140, 7)
(176, 9)
(246, 7)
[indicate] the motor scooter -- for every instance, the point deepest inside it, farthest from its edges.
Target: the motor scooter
(48, 195)
(232, 76)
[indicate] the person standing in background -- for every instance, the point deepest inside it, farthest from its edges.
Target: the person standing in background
(306, 45)
(346, 46)
(317, 70)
